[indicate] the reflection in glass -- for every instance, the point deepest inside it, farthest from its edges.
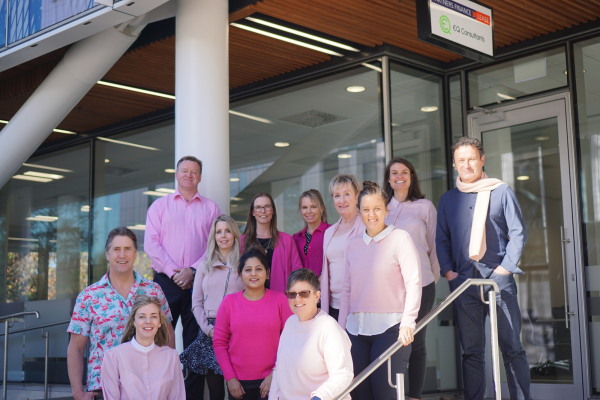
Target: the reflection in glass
(513, 79)
(587, 78)
(304, 136)
(127, 181)
(43, 232)
(527, 158)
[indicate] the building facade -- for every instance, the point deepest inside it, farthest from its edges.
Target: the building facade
(536, 109)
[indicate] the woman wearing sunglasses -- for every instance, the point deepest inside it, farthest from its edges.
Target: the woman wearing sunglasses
(313, 359)
(247, 330)
(381, 294)
(279, 247)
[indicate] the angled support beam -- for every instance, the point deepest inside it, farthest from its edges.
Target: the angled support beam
(83, 65)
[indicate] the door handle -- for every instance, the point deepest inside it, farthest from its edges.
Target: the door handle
(564, 266)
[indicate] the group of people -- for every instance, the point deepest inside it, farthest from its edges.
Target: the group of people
(269, 315)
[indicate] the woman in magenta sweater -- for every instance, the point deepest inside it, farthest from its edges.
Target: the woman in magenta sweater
(309, 240)
(216, 278)
(381, 293)
(279, 247)
(247, 330)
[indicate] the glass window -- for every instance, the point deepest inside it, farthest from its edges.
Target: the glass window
(43, 231)
(587, 77)
(418, 126)
(456, 117)
(418, 136)
(298, 139)
(513, 79)
(131, 171)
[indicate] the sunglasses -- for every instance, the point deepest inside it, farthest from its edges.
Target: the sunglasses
(303, 294)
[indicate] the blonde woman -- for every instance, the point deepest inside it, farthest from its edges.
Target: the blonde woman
(143, 366)
(309, 240)
(344, 190)
(216, 278)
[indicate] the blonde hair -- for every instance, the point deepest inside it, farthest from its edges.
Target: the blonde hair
(316, 198)
(373, 189)
(162, 335)
(345, 179)
(212, 250)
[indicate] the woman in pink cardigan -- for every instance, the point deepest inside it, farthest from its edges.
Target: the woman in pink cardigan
(280, 248)
(247, 330)
(216, 277)
(309, 240)
(381, 294)
(344, 190)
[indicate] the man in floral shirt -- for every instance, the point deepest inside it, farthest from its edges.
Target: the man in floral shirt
(102, 309)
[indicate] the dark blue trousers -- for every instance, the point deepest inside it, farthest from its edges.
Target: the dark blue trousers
(365, 349)
(470, 314)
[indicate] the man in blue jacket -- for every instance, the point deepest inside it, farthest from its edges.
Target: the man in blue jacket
(481, 234)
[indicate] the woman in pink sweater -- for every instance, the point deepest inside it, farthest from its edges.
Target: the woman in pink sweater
(216, 277)
(313, 359)
(344, 190)
(247, 330)
(279, 247)
(381, 293)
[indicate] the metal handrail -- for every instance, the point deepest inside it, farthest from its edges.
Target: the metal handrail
(33, 328)
(8, 319)
(386, 355)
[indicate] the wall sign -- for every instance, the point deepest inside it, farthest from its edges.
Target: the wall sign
(465, 27)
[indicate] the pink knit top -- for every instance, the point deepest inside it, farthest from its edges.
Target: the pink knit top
(383, 276)
(247, 333)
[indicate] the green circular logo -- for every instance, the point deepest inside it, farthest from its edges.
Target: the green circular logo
(445, 24)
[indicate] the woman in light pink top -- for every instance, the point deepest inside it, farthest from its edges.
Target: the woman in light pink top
(344, 190)
(216, 278)
(381, 294)
(313, 359)
(280, 248)
(143, 366)
(410, 211)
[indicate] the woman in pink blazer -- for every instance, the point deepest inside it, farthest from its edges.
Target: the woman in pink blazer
(344, 190)
(280, 248)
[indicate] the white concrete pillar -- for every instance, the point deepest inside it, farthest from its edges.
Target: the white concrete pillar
(83, 65)
(202, 91)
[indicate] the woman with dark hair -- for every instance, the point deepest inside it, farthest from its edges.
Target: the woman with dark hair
(381, 294)
(143, 366)
(247, 330)
(410, 211)
(216, 277)
(309, 240)
(279, 247)
(313, 359)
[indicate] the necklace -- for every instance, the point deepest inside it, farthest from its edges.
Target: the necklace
(265, 248)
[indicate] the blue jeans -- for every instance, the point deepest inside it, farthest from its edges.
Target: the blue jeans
(364, 350)
(470, 314)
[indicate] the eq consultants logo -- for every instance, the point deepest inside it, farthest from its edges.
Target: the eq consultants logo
(445, 24)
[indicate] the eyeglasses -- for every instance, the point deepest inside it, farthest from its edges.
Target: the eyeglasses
(260, 208)
(303, 294)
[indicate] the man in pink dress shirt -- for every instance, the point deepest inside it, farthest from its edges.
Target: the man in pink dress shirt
(177, 230)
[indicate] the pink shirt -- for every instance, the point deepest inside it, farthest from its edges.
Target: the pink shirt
(177, 231)
(419, 219)
(247, 334)
(129, 373)
(326, 276)
(314, 259)
(285, 260)
(313, 360)
(383, 276)
(209, 291)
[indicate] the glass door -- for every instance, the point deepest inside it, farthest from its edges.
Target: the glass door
(527, 145)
